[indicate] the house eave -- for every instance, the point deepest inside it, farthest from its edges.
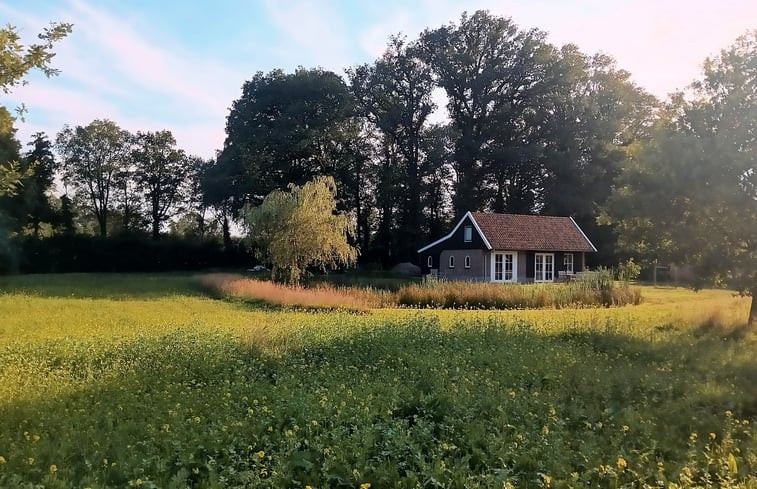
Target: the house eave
(452, 233)
(583, 234)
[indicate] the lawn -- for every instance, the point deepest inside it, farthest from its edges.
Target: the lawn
(143, 380)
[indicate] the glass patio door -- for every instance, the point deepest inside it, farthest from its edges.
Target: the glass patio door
(544, 267)
(504, 267)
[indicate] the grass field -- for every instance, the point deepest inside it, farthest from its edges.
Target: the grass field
(144, 381)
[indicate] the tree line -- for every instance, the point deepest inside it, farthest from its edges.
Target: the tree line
(531, 128)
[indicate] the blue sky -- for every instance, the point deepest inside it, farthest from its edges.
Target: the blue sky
(178, 65)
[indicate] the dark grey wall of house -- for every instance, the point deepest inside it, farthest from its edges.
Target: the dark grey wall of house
(477, 270)
(454, 242)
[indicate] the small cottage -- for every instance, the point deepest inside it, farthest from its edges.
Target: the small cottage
(512, 248)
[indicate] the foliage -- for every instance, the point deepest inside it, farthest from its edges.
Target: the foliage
(475, 295)
(160, 386)
(93, 157)
(394, 95)
(285, 128)
(628, 270)
(161, 172)
(121, 253)
(299, 229)
(701, 163)
(16, 61)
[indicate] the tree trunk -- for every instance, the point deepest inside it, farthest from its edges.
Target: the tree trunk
(155, 227)
(102, 220)
(753, 309)
(226, 233)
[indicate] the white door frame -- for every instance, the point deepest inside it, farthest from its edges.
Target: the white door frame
(493, 258)
(544, 267)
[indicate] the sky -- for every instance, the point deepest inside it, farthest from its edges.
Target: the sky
(179, 65)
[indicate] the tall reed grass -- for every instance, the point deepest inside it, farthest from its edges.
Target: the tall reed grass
(320, 295)
(592, 292)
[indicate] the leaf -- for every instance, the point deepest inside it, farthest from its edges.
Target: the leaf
(733, 467)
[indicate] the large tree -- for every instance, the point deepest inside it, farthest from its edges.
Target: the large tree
(690, 195)
(92, 158)
(162, 172)
(394, 94)
(42, 167)
(285, 128)
(491, 71)
(301, 228)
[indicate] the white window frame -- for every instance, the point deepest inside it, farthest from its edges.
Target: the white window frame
(544, 270)
(430, 261)
(452, 261)
(514, 257)
(467, 261)
(468, 234)
(565, 261)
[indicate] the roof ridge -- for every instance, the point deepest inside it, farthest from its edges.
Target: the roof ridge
(514, 214)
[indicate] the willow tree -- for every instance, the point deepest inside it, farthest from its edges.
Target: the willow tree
(299, 229)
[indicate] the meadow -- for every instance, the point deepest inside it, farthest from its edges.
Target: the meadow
(147, 381)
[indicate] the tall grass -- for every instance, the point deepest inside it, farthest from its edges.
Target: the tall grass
(471, 295)
(594, 291)
(320, 295)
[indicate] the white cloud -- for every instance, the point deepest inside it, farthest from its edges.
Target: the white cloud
(111, 70)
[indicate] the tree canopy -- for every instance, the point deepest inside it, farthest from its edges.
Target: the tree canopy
(298, 229)
(690, 194)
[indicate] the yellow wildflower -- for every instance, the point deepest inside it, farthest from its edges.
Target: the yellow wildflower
(53, 468)
(2, 460)
(713, 436)
(621, 463)
(260, 454)
(365, 485)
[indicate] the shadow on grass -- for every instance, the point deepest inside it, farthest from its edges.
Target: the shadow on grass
(102, 285)
(193, 408)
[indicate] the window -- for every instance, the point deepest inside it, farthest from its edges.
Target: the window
(452, 262)
(468, 236)
(568, 262)
(467, 261)
(430, 261)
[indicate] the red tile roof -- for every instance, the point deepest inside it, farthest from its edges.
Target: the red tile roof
(526, 232)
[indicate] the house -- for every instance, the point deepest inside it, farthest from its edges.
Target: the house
(508, 248)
